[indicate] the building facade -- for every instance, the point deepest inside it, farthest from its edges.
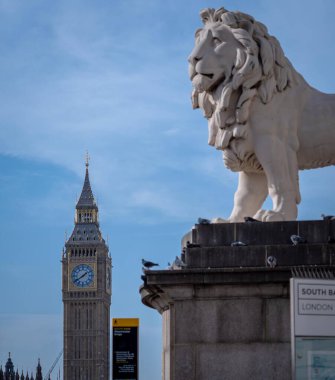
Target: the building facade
(86, 283)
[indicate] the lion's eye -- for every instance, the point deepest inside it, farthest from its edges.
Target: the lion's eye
(216, 41)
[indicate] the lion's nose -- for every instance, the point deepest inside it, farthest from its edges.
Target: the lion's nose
(193, 59)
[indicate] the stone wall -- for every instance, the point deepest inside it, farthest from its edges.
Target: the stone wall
(226, 315)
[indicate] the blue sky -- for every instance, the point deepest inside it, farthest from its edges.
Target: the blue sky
(111, 77)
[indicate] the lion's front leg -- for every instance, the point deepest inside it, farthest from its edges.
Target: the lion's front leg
(279, 163)
(251, 192)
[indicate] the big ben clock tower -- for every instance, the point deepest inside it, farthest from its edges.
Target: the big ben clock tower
(86, 267)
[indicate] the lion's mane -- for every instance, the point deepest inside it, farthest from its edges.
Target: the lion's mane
(261, 70)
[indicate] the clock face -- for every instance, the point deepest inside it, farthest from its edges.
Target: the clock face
(82, 275)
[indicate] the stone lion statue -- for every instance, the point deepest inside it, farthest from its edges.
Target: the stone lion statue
(261, 113)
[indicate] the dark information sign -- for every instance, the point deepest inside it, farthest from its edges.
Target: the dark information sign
(125, 348)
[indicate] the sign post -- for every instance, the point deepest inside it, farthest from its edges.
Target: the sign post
(125, 348)
(313, 329)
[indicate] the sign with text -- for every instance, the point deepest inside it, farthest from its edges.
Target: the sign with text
(313, 307)
(313, 329)
(314, 358)
(125, 348)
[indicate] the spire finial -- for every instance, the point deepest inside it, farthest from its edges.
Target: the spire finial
(87, 159)
(86, 198)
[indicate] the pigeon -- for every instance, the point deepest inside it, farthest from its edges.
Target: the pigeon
(238, 244)
(249, 219)
(271, 261)
(203, 221)
(179, 263)
(148, 264)
(296, 239)
(327, 217)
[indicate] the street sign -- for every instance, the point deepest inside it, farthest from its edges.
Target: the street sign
(313, 307)
(125, 348)
(313, 329)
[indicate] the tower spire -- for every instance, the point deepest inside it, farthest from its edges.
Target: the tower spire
(86, 210)
(9, 368)
(39, 375)
(86, 198)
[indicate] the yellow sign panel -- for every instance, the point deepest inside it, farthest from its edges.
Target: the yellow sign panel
(126, 322)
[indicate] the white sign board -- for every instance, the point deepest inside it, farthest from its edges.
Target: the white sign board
(312, 307)
(313, 329)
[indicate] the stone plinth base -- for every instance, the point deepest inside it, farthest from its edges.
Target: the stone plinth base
(227, 314)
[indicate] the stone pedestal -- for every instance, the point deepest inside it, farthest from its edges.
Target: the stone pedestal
(227, 314)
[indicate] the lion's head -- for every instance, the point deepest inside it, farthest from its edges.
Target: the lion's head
(235, 60)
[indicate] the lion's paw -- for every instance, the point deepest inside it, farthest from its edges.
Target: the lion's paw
(269, 216)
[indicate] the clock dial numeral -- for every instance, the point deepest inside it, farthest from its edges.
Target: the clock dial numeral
(82, 275)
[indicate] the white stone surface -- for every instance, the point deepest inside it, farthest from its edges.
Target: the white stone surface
(261, 113)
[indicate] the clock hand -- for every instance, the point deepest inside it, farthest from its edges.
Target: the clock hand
(81, 276)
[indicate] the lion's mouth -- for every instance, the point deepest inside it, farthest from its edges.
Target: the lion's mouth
(210, 76)
(193, 73)
(206, 81)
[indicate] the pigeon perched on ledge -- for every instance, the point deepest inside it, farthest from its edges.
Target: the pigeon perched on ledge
(203, 221)
(271, 261)
(327, 217)
(148, 264)
(296, 239)
(238, 244)
(249, 219)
